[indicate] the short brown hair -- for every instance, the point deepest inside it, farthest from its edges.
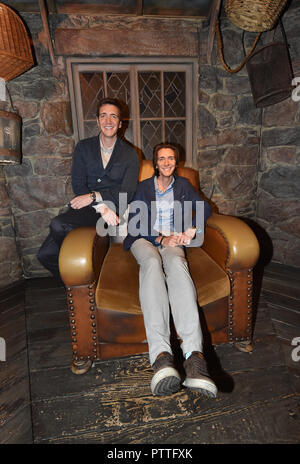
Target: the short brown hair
(159, 147)
(110, 101)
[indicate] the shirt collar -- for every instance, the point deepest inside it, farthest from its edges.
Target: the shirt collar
(170, 187)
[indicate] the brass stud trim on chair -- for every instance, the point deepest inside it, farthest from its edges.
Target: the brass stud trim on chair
(231, 304)
(231, 307)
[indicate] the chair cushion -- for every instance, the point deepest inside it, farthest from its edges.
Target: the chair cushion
(118, 285)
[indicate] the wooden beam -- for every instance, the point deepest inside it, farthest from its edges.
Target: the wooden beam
(46, 30)
(212, 28)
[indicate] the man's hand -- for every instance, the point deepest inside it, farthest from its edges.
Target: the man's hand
(187, 236)
(171, 241)
(81, 201)
(180, 239)
(109, 216)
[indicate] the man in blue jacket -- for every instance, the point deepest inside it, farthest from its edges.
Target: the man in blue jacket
(103, 167)
(156, 238)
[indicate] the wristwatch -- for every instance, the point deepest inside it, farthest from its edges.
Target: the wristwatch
(93, 195)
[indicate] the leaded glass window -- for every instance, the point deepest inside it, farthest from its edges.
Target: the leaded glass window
(157, 101)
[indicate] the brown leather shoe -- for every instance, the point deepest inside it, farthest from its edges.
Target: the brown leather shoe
(197, 377)
(166, 379)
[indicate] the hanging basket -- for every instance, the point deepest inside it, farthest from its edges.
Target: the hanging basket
(15, 51)
(254, 15)
(270, 72)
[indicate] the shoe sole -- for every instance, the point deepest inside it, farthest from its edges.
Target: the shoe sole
(205, 387)
(165, 382)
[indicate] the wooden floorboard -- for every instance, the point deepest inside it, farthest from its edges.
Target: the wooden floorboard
(258, 400)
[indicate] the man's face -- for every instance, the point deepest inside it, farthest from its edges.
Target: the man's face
(109, 120)
(166, 162)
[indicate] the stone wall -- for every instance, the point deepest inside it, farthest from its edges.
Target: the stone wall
(248, 158)
(10, 263)
(278, 196)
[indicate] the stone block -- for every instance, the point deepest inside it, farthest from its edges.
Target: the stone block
(236, 136)
(282, 182)
(19, 170)
(222, 102)
(207, 122)
(292, 254)
(31, 194)
(279, 136)
(286, 155)
(275, 210)
(209, 158)
(209, 79)
(52, 166)
(31, 223)
(8, 250)
(247, 113)
(282, 114)
(246, 155)
(237, 182)
(39, 145)
(4, 200)
(224, 205)
(26, 109)
(291, 227)
(56, 117)
(38, 89)
(237, 85)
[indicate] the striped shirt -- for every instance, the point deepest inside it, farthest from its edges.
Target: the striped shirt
(164, 223)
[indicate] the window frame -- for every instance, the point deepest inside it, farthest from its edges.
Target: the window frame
(76, 65)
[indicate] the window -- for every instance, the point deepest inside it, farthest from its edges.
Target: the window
(157, 100)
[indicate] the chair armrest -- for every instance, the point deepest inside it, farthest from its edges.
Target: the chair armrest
(81, 256)
(231, 242)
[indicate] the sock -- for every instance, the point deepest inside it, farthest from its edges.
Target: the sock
(187, 355)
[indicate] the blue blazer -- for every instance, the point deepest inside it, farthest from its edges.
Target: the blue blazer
(183, 192)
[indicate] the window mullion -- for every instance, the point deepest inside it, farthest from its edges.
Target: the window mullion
(163, 130)
(135, 107)
(105, 83)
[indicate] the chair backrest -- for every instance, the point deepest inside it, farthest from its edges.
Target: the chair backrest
(147, 170)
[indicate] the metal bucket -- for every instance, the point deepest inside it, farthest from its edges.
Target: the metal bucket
(10, 138)
(270, 73)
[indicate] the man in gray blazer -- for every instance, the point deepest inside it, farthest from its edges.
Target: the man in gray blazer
(103, 167)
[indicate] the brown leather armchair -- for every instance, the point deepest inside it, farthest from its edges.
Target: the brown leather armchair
(102, 287)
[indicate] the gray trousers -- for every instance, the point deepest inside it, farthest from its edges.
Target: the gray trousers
(165, 282)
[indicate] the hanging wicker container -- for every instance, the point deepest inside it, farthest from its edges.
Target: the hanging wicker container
(15, 51)
(254, 15)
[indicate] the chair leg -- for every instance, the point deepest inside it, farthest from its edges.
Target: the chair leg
(81, 367)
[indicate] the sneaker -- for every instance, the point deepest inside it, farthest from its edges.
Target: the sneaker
(197, 377)
(166, 379)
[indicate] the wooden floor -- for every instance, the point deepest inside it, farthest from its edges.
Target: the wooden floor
(258, 399)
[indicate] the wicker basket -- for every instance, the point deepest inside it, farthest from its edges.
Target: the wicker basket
(254, 15)
(15, 51)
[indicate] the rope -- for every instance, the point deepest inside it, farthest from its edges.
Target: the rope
(220, 47)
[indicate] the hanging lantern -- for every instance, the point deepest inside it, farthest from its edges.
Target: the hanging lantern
(10, 138)
(16, 58)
